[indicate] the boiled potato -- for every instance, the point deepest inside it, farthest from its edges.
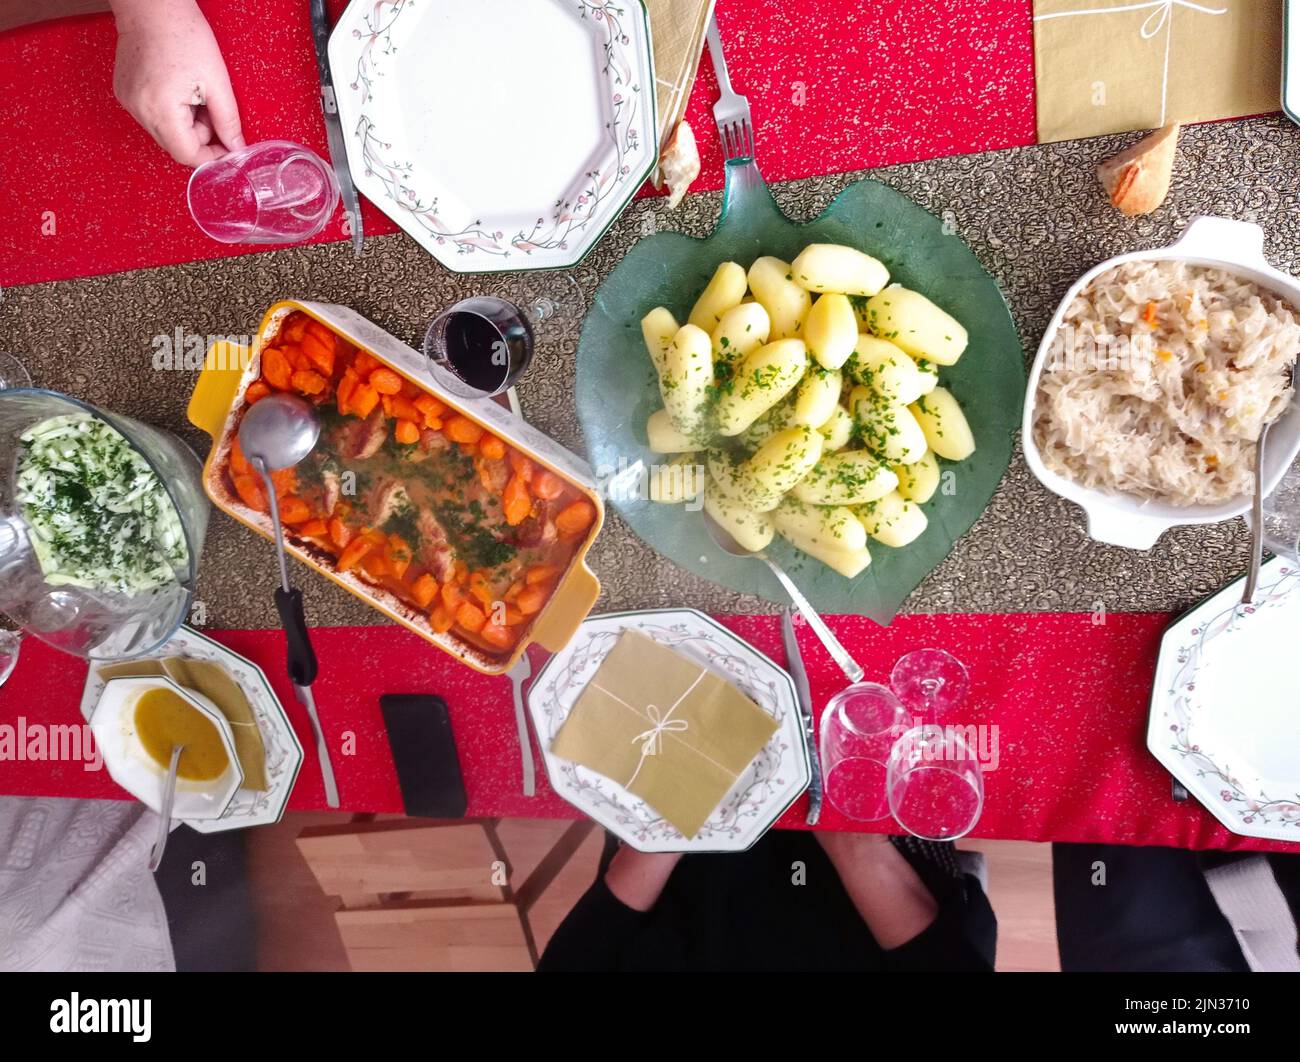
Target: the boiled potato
(892, 520)
(887, 370)
(759, 383)
(740, 332)
(753, 530)
(887, 430)
(787, 304)
(727, 481)
(834, 267)
(686, 378)
(929, 374)
(816, 396)
(944, 425)
(782, 461)
(849, 477)
(838, 430)
(724, 291)
(681, 479)
(663, 438)
(918, 481)
(779, 416)
(658, 327)
(833, 526)
(831, 330)
(916, 324)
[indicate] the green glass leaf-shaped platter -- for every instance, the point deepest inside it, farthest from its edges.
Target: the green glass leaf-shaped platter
(617, 389)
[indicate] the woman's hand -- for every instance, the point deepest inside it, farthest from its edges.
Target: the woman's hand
(170, 76)
(888, 893)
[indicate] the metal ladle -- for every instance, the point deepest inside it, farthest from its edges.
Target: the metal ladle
(1257, 500)
(725, 542)
(276, 433)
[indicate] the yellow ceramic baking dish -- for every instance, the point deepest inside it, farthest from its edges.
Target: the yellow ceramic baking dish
(218, 402)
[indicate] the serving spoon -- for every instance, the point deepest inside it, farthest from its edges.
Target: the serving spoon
(276, 433)
(725, 542)
(1257, 499)
(165, 811)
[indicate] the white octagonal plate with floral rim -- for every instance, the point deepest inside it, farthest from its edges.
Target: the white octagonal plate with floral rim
(500, 134)
(771, 783)
(1224, 708)
(283, 749)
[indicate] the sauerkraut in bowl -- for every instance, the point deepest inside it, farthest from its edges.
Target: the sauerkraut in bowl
(1159, 380)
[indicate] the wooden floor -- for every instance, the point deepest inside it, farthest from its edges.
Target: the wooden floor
(296, 922)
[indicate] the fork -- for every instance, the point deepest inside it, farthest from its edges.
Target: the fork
(731, 112)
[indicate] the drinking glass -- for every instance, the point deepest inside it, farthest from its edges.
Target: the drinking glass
(930, 682)
(275, 191)
(10, 641)
(480, 346)
(13, 373)
(858, 729)
(934, 783)
(1282, 516)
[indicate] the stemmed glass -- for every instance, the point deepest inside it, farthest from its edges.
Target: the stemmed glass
(13, 374)
(934, 783)
(858, 728)
(9, 644)
(1282, 516)
(930, 682)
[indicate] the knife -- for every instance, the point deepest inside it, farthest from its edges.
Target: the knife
(794, 661)
(320, 30)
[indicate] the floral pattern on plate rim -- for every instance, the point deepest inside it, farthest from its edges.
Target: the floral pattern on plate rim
(749, 806)
(571, 214)
(1260, 808)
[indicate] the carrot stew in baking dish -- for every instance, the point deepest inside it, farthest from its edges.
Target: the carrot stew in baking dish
(414, 497)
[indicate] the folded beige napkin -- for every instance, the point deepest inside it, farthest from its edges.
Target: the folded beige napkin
(664, 728)
(1106, 66)
(677, 27)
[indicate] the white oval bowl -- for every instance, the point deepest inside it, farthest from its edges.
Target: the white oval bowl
(131, 767)
(1125, 519)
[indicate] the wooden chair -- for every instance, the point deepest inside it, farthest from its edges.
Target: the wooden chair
(431, 894)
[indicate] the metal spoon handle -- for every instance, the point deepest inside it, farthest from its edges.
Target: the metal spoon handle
(840, 655)
(1256, 522)
(165, 814)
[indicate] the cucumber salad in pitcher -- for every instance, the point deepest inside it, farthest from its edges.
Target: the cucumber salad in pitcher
(97, 515)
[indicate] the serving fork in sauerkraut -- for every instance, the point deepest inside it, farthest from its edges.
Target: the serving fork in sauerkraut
(1160, 379)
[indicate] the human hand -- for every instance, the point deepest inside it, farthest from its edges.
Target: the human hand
(170, 76)
(637, 879)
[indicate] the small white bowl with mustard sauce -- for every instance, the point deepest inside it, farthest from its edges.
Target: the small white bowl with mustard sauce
(136, 723)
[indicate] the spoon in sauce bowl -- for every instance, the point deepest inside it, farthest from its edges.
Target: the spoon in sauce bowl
(276, 433)
(165, 811)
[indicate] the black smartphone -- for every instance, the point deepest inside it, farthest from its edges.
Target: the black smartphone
(424, 751)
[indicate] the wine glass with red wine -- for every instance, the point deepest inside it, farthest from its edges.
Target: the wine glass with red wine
(481, 345)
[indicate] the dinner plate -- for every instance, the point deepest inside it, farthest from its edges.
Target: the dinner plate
(617, 389)
(283, 749)
(1223, 707)
(500, 134)
(771, 783)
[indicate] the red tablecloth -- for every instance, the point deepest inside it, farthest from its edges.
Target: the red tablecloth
(834, 86)
(1068, 698)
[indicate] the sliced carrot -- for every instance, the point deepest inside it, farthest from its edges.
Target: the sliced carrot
(462, 430)
(347, 384)
(285, 480)
(576, 518)
(351, 556)
(513, 616)
(451, 596)
(498, 634)
(387, 402)
(294, 510)
(440, 619)
(251, 492)
(364, 363)
(238, 462)
(470, 617)
(277, 369)
(532, 600)
(308, 382)
(399, 556)
(516, 501)
(522, 465)
(340, 533)
(407, 433)
(314, 529)
(294, 327)
(363, 401)
(513, 592)
(492, 448)
(541, 573)
(547, 485)
(405, 409)
(256, 392)
(429, 406)
(321, 331)
(319, 353)
(481, 589)
(376, 565)
(424, 590)
(1149, 314)
(385, 381)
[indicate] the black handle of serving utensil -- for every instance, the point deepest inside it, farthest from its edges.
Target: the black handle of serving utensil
(302, 657)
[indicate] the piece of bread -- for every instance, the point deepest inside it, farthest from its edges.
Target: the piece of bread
(1137, 179)
(679, 164)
